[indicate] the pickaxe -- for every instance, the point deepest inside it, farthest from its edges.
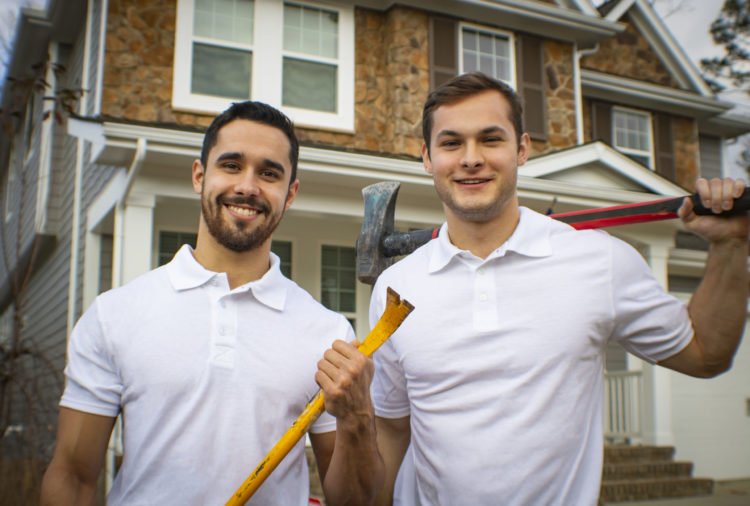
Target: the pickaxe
(378, 244)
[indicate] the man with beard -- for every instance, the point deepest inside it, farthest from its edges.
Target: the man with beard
(210, 358)
(491, 391)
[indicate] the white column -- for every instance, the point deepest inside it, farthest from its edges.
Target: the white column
(138, 230)
(657, 381)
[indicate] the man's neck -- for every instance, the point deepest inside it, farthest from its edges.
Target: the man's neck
(482, 238)
(241, 267)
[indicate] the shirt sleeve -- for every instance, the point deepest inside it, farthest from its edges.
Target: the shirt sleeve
(389, 395)
(648, 322)
(326, 422)
(93, 384)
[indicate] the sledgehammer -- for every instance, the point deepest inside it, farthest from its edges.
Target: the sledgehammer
(378, 244)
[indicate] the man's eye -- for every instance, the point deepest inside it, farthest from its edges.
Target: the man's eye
(270, 174)
(231, 165)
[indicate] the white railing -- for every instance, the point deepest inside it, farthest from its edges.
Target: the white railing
(622, 405)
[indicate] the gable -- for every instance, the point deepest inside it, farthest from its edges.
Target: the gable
(597, 165)
(646, 26)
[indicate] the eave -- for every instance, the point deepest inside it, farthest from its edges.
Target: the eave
(645, 95)
(545, 20)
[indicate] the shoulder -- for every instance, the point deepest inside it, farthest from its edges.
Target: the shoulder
(303, 304)
(143, 289)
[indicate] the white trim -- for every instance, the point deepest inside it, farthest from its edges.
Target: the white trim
(266, 74)
(45, 149)
(627, 150)
(100, 63)
(509, 36)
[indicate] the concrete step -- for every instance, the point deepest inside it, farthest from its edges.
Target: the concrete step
(658, 488)
(646, 469)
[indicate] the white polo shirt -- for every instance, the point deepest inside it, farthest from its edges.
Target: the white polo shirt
(500, 363)
(207, 380)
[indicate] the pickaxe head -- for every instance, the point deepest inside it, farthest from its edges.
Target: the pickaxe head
(377, 224)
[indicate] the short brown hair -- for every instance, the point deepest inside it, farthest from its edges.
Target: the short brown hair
(464, 86)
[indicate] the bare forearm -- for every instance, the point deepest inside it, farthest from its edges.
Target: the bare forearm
(719, 306)
(355, 473)
(60, 488)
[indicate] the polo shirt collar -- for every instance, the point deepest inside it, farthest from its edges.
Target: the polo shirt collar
(186, 273)
(530, 238)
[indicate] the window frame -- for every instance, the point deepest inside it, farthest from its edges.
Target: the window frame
(349, 315)
(510, 36)
(266, 83)
(631, 151)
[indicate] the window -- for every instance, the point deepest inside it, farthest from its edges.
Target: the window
(283, 250)
(488, 52)
(631, 132)
(338, 280)
(298, 56)
(170, 242)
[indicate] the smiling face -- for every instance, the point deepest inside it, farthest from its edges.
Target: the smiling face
(474, 157)
(245, 185)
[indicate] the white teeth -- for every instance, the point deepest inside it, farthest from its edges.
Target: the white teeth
(242, 210)
(472, 181)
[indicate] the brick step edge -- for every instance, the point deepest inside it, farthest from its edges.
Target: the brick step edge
(634, 490)
(646, 469)
(626, 453)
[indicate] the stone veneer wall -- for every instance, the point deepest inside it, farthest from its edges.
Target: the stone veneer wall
(561, 116)
(686, 154)
(391, 75)
(628, 54)
(137, 83)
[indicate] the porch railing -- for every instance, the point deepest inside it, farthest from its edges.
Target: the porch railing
(622, 405)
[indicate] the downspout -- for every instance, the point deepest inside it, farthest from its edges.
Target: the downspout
(45, 159)
(115, 442)
(577, 55)
(78, 179)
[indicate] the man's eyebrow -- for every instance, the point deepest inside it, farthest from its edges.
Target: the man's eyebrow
(487, 130)
(267, 162)
(230, 155)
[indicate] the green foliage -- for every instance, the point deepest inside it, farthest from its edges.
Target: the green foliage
(732, 31)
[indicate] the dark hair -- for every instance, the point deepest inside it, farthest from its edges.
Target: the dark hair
(260, 113)
(464, 86)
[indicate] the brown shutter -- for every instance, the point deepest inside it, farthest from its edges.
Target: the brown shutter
(664, 146)
(443, 50)
(530, 64)
(601, 122)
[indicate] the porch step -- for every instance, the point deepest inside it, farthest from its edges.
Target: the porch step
(633, 473)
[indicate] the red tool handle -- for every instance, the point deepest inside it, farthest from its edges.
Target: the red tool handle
(643, 212)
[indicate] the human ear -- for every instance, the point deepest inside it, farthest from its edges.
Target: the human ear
(197, 176)
(426, 158)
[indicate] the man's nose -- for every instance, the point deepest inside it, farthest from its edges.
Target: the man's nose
(472, 155)
(247, 183)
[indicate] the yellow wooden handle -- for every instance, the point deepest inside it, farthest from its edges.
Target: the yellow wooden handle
(396, 310)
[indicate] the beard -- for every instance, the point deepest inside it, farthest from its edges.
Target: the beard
(235, 235)
(477, 212)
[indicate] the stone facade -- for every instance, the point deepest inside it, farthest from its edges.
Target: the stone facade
(391, 84)
(560, 94)
(628, 54)
(137, 83)
(686, 153)
(391, 71)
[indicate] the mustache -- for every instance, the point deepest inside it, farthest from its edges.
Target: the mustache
(251, 201)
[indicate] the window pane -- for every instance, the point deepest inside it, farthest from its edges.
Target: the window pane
(338, 278)
(315, 30)
(230, 20)
(284, 251)
(170, 242)
(486, 65)
(309, 85)
(221, 71)
(485, 52)
(470, 62)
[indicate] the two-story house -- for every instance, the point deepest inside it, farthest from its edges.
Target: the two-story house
(616, 111)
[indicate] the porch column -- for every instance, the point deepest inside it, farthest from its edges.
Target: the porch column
(657, 383)
(133, 243)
